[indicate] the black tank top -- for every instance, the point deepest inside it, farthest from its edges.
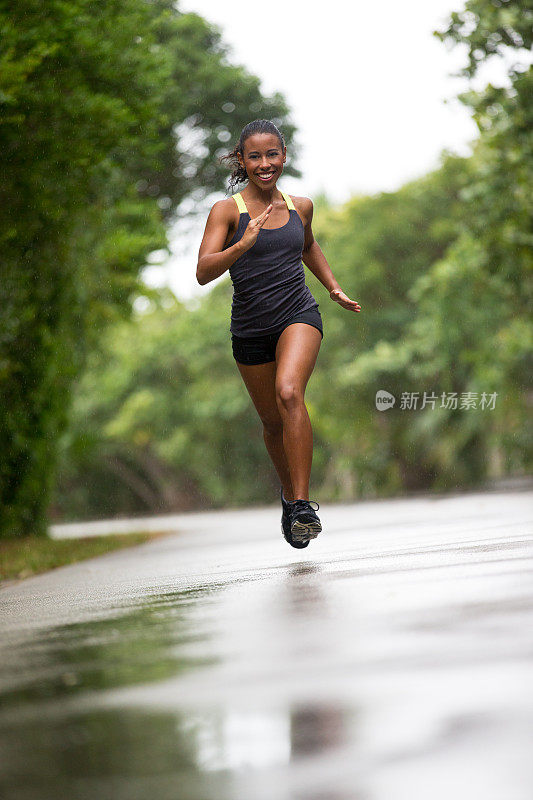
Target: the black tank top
(268, 280)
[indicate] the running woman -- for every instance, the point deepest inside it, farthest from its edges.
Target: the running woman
(262, 235)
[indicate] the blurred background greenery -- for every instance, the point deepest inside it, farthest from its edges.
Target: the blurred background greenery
(109, 410)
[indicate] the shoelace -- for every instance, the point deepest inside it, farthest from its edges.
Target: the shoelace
(303, 504)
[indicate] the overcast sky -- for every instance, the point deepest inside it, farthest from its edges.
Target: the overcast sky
(367, 85)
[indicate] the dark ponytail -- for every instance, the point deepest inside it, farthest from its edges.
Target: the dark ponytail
(238, 174)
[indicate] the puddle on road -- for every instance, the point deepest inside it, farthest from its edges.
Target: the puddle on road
(51, 748)
(144, 644)
(69, 730)
(126, 754)
(54, 744)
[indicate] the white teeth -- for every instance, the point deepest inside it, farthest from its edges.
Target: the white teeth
(264, 177)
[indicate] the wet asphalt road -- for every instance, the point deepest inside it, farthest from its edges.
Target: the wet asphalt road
(390, 660)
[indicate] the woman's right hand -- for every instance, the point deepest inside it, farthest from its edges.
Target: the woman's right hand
(254, 226)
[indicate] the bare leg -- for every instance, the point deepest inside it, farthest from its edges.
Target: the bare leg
(260, 380)
(296, 355)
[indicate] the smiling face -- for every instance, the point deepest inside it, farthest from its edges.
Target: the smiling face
(263, 159)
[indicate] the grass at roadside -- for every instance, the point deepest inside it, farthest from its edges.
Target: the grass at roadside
(21, 558)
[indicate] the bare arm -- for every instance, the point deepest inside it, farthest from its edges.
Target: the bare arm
(212, 260)
(315, 260)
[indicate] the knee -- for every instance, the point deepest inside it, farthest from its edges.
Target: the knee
(289, 396)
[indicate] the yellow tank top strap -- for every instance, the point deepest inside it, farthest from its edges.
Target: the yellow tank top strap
(241, 205)
(290, 204)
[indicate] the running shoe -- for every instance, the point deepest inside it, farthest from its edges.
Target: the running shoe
(305, 524)
(286, 524)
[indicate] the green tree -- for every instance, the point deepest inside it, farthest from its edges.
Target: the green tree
(379, 247)
(161, 420)
(472, 329)
(98, 104)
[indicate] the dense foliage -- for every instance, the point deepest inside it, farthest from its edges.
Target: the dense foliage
(442, 269)
(111, 115)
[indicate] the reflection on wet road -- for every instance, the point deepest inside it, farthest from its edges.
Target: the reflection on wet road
(392, 661)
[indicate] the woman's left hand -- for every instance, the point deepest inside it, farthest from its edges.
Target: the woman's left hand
(342, 299)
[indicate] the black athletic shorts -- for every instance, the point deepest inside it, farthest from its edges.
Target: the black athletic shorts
(261, 349)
